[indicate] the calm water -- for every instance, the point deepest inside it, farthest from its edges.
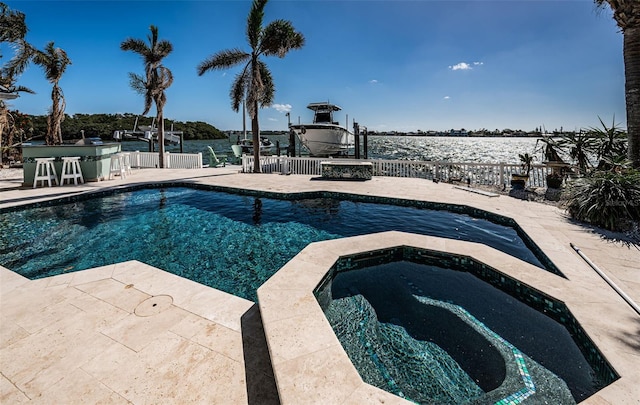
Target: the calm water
(227, 241)
(453, 149)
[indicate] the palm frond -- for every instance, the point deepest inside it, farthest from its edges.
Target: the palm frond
(23, 54)
(164, 48)
(13, 24)
(22, 89)
(222, 60)
(135, 45)
(254, 23)
(267, 90)
(137, 83)
(153, 37)
(238, 90)
(279, 37)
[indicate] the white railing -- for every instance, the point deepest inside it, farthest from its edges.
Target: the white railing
(172, 160)
(474, 173)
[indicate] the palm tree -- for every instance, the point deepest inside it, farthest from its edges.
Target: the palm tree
(13, 31)
(13, 25)
(254, 84)
(156, 80)
(627, 16)
(54, 62)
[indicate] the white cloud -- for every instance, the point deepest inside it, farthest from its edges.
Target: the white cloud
(461, 66)
(283, 108)
(374, 81)
(446, 98)
(465, 65)
(272, 119)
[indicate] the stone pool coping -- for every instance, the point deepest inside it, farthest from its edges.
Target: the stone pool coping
(307, 356)
(615, 326)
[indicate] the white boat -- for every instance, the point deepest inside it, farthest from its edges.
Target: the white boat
(247, 145)
(324, 137)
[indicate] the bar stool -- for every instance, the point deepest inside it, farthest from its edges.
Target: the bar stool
(117, 166)
(45, 171)
(71, 170)
(126, 159)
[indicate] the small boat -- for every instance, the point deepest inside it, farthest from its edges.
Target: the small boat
(149, 133)
(324, 137)
(247, 145)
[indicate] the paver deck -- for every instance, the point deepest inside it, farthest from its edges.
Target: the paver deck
(96, 336)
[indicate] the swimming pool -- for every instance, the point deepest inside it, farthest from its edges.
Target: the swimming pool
(231, 242)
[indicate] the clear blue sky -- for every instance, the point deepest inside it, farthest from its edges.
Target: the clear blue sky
(390, 64)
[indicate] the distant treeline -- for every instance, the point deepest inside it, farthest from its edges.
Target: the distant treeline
(104, 125)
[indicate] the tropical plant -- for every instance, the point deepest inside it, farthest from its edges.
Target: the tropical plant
(580, 146)
(526, 162)
(611, 143)
(607, 199)
(157, 78)
(54, 62)
(554, 180)
(626, 13)
(254, 84)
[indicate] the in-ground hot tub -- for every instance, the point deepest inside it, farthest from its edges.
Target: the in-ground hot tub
(311, 365)
(433, 327)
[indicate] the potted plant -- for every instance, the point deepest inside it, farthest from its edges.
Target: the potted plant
(519, 180)
(554, 180)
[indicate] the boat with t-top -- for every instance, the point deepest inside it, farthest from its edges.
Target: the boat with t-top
(324, 137)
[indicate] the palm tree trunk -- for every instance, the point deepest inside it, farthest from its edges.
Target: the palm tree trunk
(632, 91)
(255, 128)
(160, 118)
(54, 130)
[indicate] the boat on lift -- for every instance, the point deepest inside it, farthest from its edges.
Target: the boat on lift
(324, 137)
(149, 133)
(247, 145)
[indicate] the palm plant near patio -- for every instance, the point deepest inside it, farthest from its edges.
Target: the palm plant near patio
(580, 146)
(626, 13)
(609, 199)
(611, 143)
(254, 84)
(157, 78)
(54, 62)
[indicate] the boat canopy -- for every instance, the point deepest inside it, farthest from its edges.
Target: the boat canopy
(323, 112)
(323, 106)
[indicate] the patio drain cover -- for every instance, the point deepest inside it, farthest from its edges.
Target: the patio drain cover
(154, 305)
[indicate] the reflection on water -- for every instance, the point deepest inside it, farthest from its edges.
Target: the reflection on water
(446, 148)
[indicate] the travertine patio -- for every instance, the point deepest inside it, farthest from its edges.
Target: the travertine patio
(131, 333)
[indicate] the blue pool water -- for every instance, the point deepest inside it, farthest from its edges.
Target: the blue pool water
(227, 241)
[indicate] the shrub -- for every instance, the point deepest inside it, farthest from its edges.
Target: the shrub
(607, 199)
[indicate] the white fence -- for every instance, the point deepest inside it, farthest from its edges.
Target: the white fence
(474, 173)
(171, 160)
